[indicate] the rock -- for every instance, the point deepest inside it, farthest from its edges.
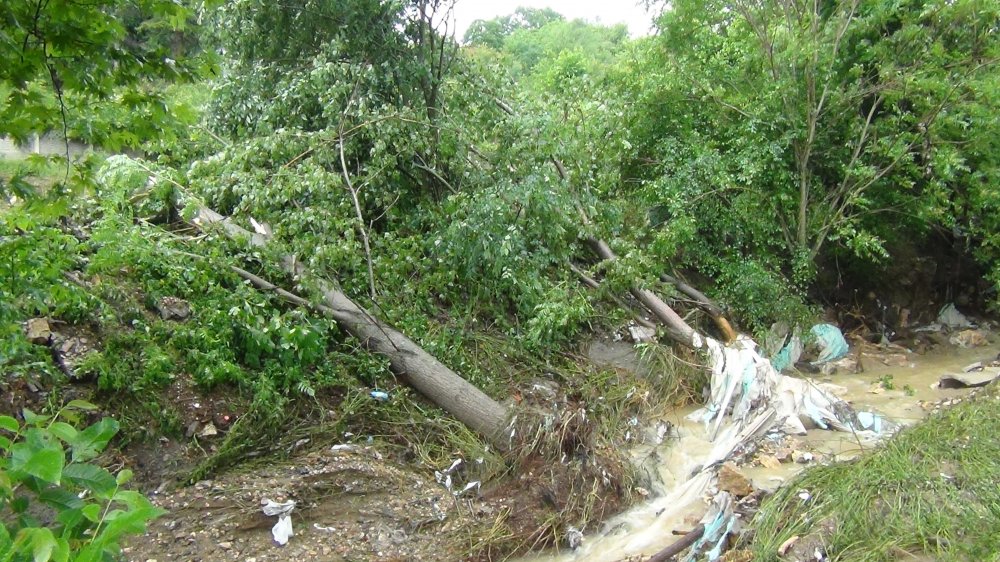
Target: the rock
(802, 457)
(208, 431)
(769, 461)
(225, 545)
(733, 481)
(173, 308)
(969, 338)
(977, 366)
(783, 454)
(38, 331)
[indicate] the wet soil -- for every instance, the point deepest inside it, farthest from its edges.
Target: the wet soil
(352, 503)
(897, 383)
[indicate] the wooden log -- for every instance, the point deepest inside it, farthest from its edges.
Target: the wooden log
(706, 304)
(676, 327)
(409, 361)
(684, 542)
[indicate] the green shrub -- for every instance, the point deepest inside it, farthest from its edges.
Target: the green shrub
(55, 504)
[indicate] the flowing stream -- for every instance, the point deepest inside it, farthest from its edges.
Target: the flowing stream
(677, 500)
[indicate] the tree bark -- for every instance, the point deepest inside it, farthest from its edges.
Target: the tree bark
(684, 542)
(409, 361)
(677, 328)
(704, 303)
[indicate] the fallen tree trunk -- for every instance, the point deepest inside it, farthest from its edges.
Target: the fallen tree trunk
(704, 303)
(409, 361)
(677, 328)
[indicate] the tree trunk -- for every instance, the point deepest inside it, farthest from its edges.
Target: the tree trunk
(410, 362)
(705, 304)
(677, 328)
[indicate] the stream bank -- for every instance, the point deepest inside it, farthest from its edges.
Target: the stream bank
(361, 502)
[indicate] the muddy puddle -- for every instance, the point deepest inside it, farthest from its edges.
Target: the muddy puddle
(896, 384)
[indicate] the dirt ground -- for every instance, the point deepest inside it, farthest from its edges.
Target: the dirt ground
(352, 503)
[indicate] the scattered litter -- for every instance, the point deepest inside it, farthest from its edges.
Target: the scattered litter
(642, 334)
(968, 380)
(379, 395)
(832, 344)
(574, 538)
(475, 484)
(950, 317)
(319, 527)
(718, 522)
(802, 457)
(870, 421)
(443, 477)
(282, 530)
(804, 495)
(342, 447)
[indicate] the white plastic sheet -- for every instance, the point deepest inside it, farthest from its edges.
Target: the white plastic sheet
(282, 530)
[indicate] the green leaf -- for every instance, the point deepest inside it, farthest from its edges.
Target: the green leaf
(119, 523)
(60, 498)
(31, 418)
(39, 540)
(91, 441)
(92, 512)
(45, 464)
(81, 405)
(94, 478)
(64, 431)
(9, 423)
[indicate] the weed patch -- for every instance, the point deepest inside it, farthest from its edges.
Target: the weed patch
(931, 490)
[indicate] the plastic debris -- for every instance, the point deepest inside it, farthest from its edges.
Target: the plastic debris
(832, 344)
(642, 334)
(282, 530)
(379, 395)
(574, 538)
(950, 317)
(788, 355)
(870, 421)
(719, 522)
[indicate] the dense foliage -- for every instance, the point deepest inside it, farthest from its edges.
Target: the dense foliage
(452, 189)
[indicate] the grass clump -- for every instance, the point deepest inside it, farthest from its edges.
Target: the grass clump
(931, 490)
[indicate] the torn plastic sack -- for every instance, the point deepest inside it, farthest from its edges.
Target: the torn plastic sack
(282, 530)
(950, 317)
(719, 522)
(788, 355)
(748, 384)
(831, 341)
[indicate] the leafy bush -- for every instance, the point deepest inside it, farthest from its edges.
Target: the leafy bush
(55, 504)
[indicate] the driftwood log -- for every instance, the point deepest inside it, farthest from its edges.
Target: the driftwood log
(438, 383)
(678, 330)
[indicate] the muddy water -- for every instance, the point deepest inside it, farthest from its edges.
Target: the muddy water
(677, 501)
